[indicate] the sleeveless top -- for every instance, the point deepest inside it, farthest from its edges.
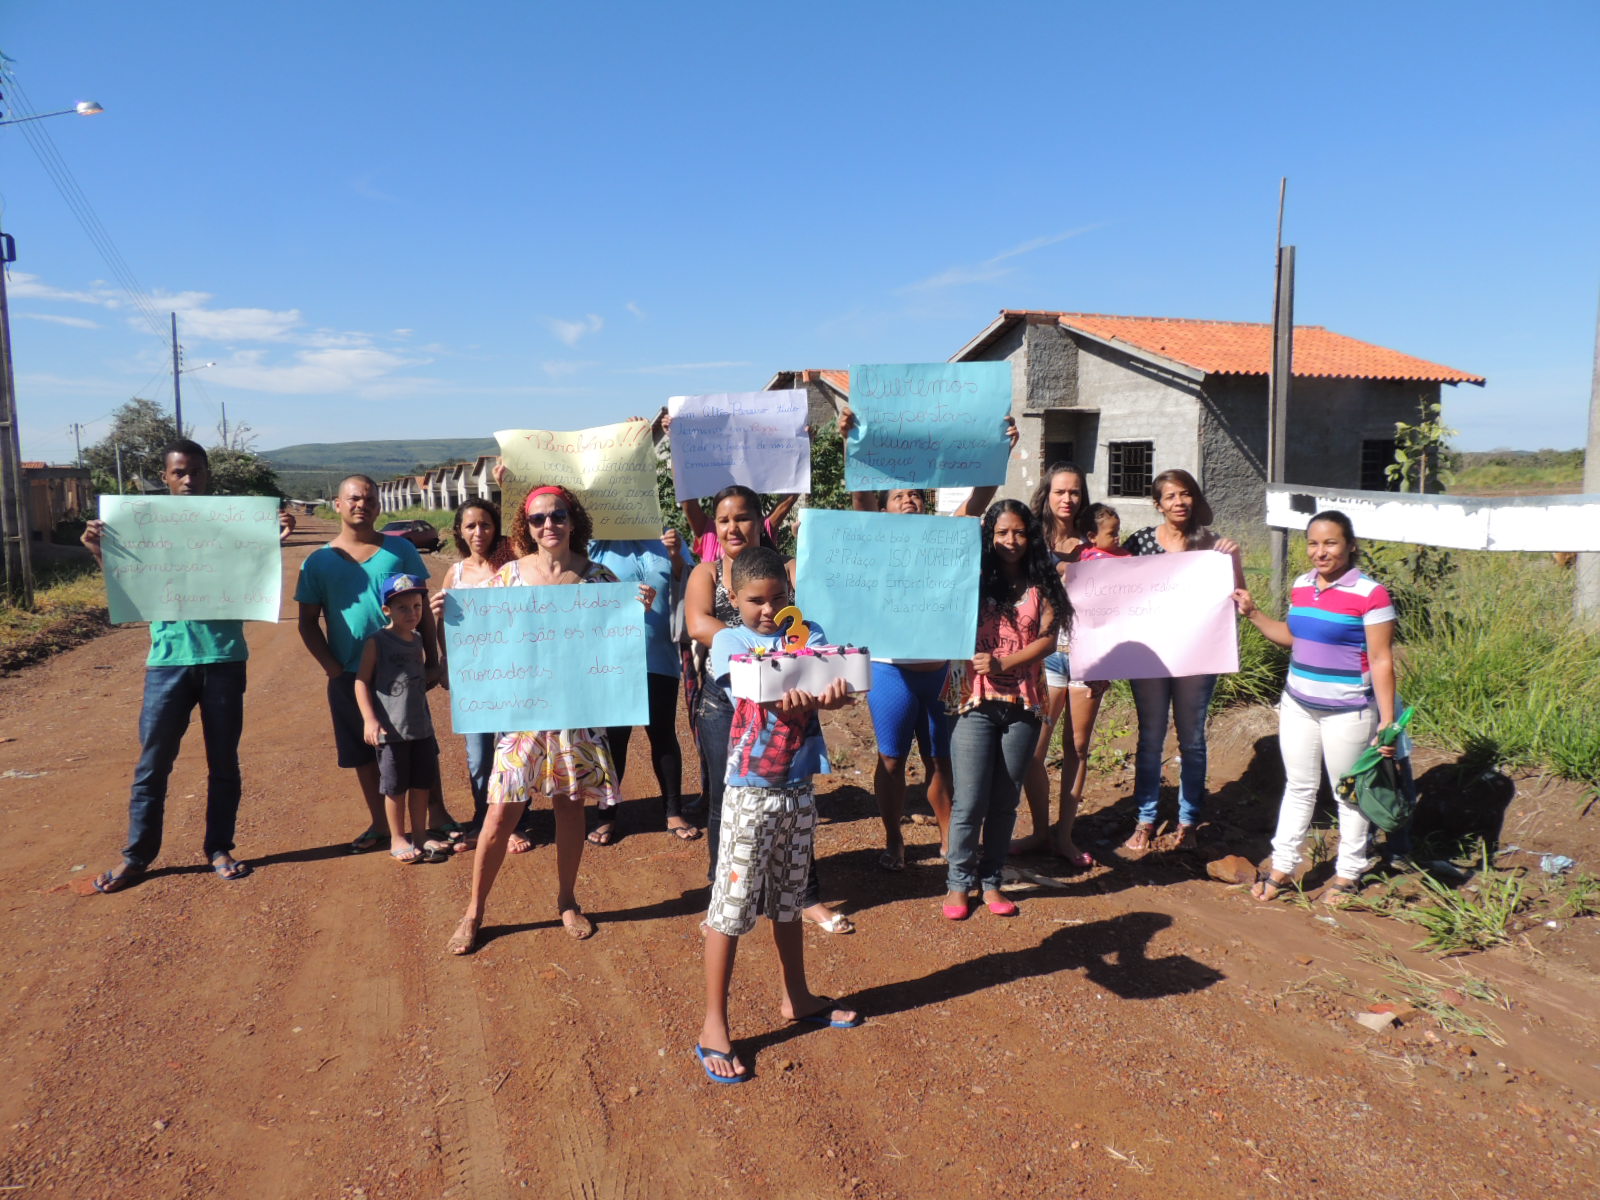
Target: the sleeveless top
(400, 689)
(722, 606)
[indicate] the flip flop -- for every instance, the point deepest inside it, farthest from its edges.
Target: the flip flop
(684, 833)
(229, 870)
(368, 841)
(603, 836)
(824, 1016)
(410, 856)
(106, 883)
(702, 1054)
(581, 929)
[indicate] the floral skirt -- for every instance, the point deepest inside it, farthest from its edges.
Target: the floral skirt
(556, 762)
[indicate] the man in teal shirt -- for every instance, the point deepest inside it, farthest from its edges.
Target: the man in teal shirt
(191, 663)
(341, 606)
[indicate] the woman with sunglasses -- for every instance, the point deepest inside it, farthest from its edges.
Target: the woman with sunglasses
(551, 531)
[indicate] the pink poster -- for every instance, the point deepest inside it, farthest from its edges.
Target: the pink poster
(1153, 617)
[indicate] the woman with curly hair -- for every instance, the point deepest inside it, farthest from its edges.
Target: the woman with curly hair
(1061, 506)
(1021, 604)
(551, 531)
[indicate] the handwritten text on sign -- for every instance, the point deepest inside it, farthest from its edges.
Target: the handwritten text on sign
(928, 425)
(1154, 617)
(611, 468)
(560, 656)
(191, 558)
(754, 438)
(903, 586)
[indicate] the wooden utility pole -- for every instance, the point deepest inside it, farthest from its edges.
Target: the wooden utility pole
(1278, 382)
(177, 392)
(1586, 593)
(13, 487)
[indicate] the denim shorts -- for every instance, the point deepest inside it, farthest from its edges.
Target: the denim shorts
(1057, 670)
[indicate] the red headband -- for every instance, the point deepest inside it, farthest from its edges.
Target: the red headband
(551, 490)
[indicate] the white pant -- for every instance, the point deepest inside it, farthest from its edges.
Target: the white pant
(1309, 740)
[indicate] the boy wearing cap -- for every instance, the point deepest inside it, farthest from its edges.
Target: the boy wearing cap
(392, 693)
(341, 588)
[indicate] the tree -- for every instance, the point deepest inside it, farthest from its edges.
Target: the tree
(241, 473)
(142, 428)
(1423, 460)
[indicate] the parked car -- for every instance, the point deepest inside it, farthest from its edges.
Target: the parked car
(420, 534)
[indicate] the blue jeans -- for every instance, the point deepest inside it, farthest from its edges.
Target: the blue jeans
(990, 750)
(170, 696)
(1187, 698)
(480, 762)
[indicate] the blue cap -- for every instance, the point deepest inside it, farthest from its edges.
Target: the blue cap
(399, 585)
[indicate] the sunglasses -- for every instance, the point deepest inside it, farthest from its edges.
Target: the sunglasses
(556, 516)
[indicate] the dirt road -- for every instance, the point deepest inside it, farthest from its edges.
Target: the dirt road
(1140, 1031)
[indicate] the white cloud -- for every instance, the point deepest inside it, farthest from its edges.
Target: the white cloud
(311, 372)
(990, 268)
(674, 368)
(635, 310)
(571, 332)
(22, 286)
(198, 322)
(74, 322)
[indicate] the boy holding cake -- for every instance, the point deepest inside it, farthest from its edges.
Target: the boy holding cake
(768, 817)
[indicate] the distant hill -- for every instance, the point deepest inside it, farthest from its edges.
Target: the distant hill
(378, 459)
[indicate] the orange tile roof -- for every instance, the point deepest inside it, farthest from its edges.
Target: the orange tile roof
(1245, 347)
(838, 380)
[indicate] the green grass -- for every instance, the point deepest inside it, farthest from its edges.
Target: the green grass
(1510, 470)
(69, 606)
(1488, 652)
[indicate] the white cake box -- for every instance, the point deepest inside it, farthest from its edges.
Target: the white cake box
(764, 677)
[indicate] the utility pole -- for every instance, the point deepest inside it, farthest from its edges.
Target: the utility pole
(1278, 381)
(13, 487)
(120, 490)
(1586, 593)
(177, 391)
(77, 437)
(224, 425)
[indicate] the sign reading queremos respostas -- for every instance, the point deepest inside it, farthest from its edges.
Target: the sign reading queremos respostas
(558, 656)
(191, 558)
(1533, 523)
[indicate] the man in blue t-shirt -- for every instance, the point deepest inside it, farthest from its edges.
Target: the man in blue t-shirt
(340, 588)
(191, 663)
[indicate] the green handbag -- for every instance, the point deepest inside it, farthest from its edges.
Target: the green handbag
(1373, 784)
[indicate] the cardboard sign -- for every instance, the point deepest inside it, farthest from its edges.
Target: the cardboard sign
(905, 585)
(191, 558)
(1158, 616)
(754, 438)
(558, 656)
(611, 468)
(766, 677)
(921, 425)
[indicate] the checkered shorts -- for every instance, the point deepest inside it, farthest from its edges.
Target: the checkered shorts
(763, 856)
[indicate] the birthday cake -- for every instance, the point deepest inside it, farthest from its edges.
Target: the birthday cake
(765, 675)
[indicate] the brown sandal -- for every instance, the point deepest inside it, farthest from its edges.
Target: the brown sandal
(580, 928)
(1143, 835)
(465, 938)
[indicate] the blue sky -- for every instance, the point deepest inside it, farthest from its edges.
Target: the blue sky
(420, 220)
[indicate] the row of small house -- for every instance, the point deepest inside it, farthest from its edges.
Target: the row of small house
(1125, 397)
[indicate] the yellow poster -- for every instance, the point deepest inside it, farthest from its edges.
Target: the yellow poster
(611, 468)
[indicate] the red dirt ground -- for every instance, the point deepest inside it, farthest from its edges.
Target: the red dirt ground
(1139, 1031)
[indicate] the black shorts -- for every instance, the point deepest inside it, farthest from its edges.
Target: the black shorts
(407, 766)
(349, 728)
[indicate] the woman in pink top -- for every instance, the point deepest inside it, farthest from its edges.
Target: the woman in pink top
(1000, 701)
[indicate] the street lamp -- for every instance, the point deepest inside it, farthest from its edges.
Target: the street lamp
(13, 487)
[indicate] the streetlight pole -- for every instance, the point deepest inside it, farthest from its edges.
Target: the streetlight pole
(14, 532)
(177, 391)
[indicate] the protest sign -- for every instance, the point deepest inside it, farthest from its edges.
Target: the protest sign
(903, 586)
(754, 438)
(1157, 616)
(928, 425)
(559, 656)
(611, 468)
(191, 558)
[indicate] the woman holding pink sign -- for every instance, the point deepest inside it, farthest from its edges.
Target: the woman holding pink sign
(1186, 517)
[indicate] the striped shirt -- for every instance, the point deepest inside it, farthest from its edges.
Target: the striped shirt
(1328, 666)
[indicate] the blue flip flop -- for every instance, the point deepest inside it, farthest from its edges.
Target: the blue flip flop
(823, 1016)
(702, 1054)
(221, 870)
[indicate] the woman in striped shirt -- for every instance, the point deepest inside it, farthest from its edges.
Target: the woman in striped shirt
(1340, 692)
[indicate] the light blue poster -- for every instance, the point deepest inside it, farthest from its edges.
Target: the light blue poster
(191, 558)
(562, 656)
(902, 586)
(925, 425)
